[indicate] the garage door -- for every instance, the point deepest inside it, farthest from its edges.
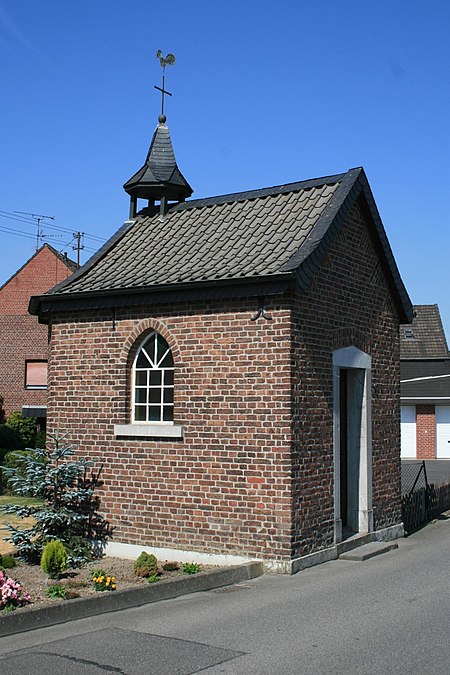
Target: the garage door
(408, 431)
(443, 432)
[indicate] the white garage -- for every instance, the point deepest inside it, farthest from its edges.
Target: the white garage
(443, 432)
(408, 431)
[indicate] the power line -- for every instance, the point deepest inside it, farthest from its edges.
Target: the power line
(28, 221)
(9, 230)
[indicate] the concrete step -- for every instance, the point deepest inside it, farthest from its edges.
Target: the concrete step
(368, 551)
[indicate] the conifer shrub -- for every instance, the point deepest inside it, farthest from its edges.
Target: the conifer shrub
(146, 565)
(54, 559)
(68, 508)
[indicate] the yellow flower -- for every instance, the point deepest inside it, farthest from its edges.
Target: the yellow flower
(113, 586)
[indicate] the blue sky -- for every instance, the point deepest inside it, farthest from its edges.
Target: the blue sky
(263, 93)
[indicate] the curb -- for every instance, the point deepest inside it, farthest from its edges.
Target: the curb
(80, 608)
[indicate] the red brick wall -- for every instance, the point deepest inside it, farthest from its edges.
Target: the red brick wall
(426, 432)
(22, 337)
(348, 304)
(226, 486)
(243, 480)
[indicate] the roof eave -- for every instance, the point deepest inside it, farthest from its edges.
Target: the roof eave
(276, 284)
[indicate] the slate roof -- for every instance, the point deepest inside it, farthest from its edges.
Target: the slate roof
(256, 242)
(160, 173)
(425, 338)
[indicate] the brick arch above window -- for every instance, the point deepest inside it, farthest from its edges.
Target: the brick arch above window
(138, 335)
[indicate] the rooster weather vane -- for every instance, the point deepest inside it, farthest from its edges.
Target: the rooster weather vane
(168, 60)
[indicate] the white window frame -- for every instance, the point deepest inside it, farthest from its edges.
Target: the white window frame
(148, 387)
(150, 428)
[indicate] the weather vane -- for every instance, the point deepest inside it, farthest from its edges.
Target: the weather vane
(168, 60)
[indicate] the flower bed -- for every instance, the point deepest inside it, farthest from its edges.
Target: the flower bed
(78, 582)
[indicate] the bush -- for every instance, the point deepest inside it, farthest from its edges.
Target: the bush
(26, 427)
(10, 439)
(191, 568)
(54, 559)
(69, 509)
(2, 410)
(7, 561)
(56, 591)
(146, 565)
(171, 566)
(40, 439)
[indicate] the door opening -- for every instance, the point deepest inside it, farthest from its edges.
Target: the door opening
(352, 443)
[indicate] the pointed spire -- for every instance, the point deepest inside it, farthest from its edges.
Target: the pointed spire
(159, 179)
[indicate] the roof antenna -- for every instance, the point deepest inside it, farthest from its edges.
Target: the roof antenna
(168, 60)
(38, 217)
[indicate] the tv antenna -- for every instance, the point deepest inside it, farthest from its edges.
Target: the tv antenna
(38, 218)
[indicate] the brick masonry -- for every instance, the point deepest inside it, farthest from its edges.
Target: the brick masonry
(253, 474)
(22, 337)
(425, 432)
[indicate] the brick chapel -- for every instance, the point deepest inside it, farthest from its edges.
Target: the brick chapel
(233, 362)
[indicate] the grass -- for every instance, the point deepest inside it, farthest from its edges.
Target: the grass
(6, 546)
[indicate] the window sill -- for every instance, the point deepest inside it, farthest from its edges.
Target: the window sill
(149, 430)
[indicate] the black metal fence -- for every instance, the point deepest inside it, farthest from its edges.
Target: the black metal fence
(421, 501)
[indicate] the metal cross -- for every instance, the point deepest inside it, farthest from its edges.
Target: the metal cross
(168, 60)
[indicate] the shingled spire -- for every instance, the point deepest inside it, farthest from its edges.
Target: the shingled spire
(159, 179)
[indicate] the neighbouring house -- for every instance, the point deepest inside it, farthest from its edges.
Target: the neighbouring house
(24, 353)
(425, 386)
(233, 362)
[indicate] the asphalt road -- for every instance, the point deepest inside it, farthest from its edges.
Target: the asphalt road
(387, 615)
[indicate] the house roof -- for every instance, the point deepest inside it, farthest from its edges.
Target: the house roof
(425, 338)
(70, 264)
(433, 389)
(256, 242)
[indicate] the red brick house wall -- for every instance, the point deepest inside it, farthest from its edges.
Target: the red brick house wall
(22, 337)
(349, 303)
(254, 472)
(426, 431)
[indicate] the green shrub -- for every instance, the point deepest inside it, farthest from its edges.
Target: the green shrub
(7, 561)
(54, 559)
(26, 427)
(191, 568)
(146, 565)
(10, 439)
(153, 579)
(39, 441)
(56, 591)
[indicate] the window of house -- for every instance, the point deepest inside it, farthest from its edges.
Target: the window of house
(153, 382)
(36, 374)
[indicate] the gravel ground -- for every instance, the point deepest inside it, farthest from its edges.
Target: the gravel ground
(78, 581)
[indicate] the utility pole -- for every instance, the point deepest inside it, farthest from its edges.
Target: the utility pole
(79, 246)
(38, 218)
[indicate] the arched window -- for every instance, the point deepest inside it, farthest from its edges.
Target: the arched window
(153, 381)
